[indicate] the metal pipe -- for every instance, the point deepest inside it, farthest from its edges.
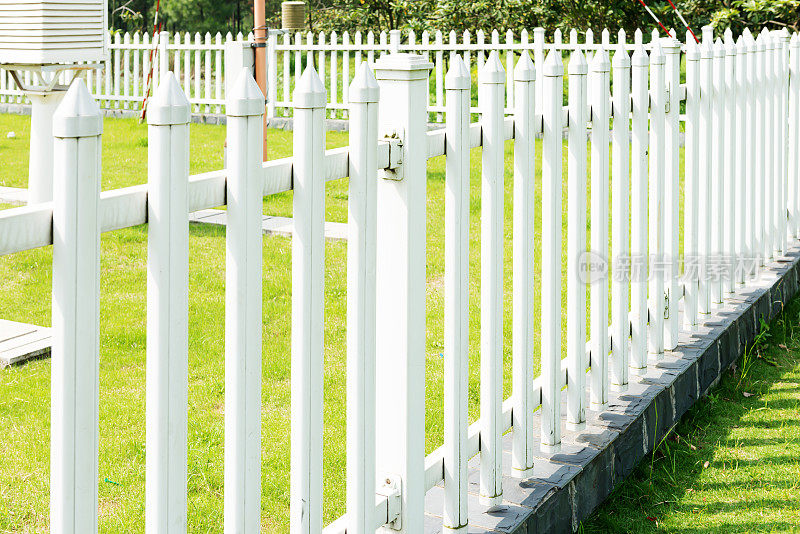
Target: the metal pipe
(260, 36)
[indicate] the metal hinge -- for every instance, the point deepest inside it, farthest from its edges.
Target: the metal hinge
(666, 304)
(391, 491)
(668, 98)
(395, 169)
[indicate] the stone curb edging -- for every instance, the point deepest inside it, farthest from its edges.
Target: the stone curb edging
(567, 486)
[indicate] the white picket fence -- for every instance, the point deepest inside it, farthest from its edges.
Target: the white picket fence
(198, 63)
(196, 60)
(741, 208)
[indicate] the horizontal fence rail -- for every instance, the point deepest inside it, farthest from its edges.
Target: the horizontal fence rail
(742, 108)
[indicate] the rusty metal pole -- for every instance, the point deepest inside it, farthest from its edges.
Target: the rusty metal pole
(260, 35)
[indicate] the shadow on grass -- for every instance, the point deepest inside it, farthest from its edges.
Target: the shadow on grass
(732, 464)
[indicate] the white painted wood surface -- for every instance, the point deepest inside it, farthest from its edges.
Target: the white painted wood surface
(599, 81)
(524, 249)
(576, 242)
(691, 188)
(639, 265)
(671, 209)
(243, 321)
(491, 79)
(400, 369)
(308, 303)
(620, 220)
(361, 302)
(552, 94)
(704, 196)
(167, 364)
(456, 297)
(75, 384)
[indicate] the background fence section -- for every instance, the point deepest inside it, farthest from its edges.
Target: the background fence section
(198, 63)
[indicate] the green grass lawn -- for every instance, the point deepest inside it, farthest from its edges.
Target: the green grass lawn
(733, 463)
(25, 283)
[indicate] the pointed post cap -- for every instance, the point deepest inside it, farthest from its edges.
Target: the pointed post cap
(760, 42)
(706, 49)
(639, 58)
(553, 66)
(577, 63)
(656, 53)
(309, 92)
(246, 98)
(621, 59)
(730, 44)
(78, 115)
(524, 71)
(364, 87)
(169, 104)
(492, 71)
(457, 76)
(767, 39)
(402, 67)
(600, 61)
(719, 48)
(692, 49)
(741, 45)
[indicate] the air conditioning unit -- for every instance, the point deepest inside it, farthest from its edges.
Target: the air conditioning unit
(39, 32)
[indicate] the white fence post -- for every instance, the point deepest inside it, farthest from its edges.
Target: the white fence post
(760, 178)
(361, 258)
(671, 209)
(456, 296)
(167, 404)
(308, 303)
(717, 206)
(163, 63)
(238, 56)
(491, 101)
(620, 215)
(639, 143)
(538, 59)
(576, 243)
(523, 265)
(781, 136)
(400, 369)
(553, 92)
(704, 197)
(751, 110)
(743, 229)
(74, 403)
(245, 107)
(599, 81)
(769, 142)
(794, 135)
(692, 180)
(731, 185)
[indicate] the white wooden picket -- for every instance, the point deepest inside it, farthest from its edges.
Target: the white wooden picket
(742, 108)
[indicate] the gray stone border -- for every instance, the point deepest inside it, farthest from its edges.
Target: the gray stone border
(567, 486)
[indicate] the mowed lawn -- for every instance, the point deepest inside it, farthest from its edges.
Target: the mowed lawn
(24, 391)
(732, 465)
